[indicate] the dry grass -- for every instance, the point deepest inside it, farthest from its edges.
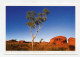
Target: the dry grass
(15, 46)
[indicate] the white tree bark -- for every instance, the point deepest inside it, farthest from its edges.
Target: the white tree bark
(33, 37)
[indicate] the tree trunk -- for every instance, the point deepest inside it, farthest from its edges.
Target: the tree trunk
(34, 37)
(32, 43)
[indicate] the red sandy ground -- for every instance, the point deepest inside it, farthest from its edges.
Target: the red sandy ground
(58, 43)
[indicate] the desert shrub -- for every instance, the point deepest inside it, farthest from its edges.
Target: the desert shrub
(61, 48)
(42, 48)
(23, 48)
(71, 47)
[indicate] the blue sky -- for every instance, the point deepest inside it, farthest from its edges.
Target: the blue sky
(60, 22)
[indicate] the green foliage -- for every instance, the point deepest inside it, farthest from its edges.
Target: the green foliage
(31, 24)
(36, 19)
(40, 14)
(46, 11)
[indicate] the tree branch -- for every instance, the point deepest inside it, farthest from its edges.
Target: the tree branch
(31, 33)
(37, 31)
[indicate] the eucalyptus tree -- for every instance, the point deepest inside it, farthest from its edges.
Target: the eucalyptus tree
(35, 20)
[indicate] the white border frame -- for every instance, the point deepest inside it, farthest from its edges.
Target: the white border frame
(46, 52)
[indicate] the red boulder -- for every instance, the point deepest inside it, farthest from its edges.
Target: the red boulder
(58, 40)
(71, 43)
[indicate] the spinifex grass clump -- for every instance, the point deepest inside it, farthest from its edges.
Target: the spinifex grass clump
(35, 20)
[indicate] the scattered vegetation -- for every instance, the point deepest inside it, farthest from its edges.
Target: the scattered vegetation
(27, 46)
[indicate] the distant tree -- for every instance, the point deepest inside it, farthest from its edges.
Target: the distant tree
(35, 20)
(40, 40)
